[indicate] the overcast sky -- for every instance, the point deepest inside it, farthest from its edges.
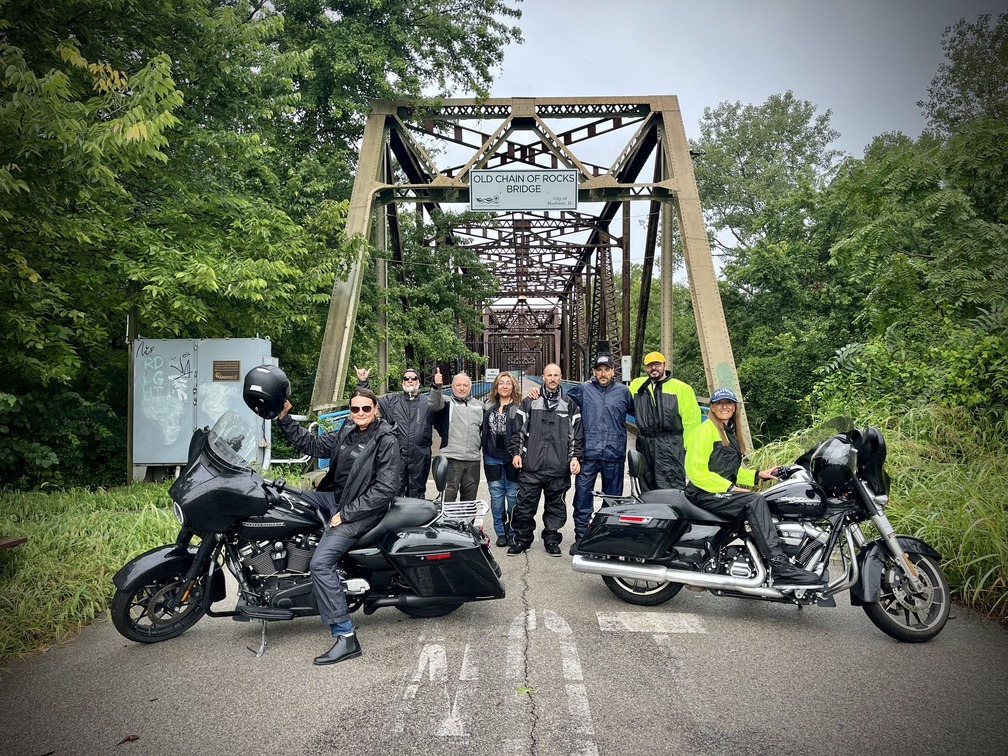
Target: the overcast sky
(869, 61)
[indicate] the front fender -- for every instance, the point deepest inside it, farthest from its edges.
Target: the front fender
(177, 557)
(871, 562)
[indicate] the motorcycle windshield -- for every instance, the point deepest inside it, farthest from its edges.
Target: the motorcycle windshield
(232, 441)
(813, 438)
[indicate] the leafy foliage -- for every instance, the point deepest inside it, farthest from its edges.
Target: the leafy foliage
(180, 163)
(431, 297)
(972, 84)
(750, 156)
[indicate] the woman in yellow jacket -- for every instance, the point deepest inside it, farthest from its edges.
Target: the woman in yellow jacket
(719, 484)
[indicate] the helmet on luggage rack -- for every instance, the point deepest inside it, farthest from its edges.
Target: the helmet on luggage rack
(266, 389)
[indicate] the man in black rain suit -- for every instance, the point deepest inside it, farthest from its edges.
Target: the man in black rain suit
(546, 447)
(409, 412)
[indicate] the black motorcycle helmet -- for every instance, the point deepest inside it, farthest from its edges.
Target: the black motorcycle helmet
(834, 464)
(266, 389)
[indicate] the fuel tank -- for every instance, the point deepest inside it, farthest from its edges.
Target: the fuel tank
(796, 498)
(277, 524)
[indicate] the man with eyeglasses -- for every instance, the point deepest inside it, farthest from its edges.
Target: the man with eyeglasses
(412, 417)
(666, 412)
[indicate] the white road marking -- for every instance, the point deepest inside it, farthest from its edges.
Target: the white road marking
(649, 622)
(459, 706)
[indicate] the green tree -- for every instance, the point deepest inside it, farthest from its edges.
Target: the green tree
(926, 239)
(972, 83)
(751, 156)
(760, 172)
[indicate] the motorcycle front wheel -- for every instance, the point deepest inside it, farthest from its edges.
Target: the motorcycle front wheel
(907, 616)
(146, 610)
(641, 592)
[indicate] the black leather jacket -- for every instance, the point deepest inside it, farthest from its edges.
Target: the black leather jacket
(374, 476)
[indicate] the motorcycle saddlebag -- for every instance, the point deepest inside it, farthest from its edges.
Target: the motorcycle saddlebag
(641, 530)
(442, 561)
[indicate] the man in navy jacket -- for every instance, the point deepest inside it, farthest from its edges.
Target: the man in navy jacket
(604, 404)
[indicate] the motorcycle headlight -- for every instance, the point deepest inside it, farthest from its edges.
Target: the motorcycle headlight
(178, 513)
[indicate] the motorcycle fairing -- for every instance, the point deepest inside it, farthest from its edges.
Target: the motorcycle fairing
(175, 556)
(871, 561)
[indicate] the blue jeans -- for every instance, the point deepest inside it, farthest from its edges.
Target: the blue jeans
(612, 484)
(503, 495)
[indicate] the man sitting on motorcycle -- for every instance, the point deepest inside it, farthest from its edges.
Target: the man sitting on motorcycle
(354, 495)
(719, 484)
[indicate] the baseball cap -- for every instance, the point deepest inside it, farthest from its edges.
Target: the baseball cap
(723, 394)
(603, 359)
(653, 357)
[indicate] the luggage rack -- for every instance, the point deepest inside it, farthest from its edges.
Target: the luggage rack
(465, 510)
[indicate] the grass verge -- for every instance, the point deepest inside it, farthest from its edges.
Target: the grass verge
(61, 579)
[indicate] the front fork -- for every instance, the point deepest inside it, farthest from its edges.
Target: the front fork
(885, 529)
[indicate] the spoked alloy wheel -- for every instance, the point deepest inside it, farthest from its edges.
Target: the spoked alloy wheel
(907, 616)
(641, 592)
(146, 611)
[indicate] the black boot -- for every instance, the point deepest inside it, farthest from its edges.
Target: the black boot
(786, 574)
(345, 647)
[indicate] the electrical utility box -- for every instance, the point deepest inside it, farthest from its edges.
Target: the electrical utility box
(180, 385)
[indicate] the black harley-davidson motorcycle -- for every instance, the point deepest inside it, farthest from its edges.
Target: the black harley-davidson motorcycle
(648, 546)
(425, 558)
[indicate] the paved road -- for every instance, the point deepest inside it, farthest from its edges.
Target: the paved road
(557, 667)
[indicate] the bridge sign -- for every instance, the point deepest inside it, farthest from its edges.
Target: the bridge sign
(506, 191)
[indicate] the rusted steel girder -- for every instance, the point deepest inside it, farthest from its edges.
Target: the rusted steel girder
(539, 255)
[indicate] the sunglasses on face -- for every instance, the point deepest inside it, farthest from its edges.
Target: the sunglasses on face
(409, 379)
(357, 408)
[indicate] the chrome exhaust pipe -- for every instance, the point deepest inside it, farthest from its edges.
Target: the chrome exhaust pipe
(658, 574)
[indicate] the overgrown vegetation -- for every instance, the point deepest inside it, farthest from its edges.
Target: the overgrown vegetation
(61, 578)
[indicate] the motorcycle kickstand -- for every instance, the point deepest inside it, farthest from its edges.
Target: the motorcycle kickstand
(262, 643)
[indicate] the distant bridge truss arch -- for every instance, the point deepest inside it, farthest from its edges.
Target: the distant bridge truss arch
(558, 300)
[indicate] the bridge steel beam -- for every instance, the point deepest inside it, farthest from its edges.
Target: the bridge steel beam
(526, 136)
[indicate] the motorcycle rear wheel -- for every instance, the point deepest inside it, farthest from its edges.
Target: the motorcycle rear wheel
(423, 612)
(906, 616)
(141, 611)
(641, 592)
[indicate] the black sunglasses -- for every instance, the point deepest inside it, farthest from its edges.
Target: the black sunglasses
(410, 378)
(357, 408)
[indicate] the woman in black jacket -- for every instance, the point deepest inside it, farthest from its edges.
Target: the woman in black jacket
(502, 478)
(355, 494)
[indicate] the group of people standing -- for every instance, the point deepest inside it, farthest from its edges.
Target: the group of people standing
(530, 447)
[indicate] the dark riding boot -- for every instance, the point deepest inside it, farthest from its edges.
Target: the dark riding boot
(345, 647)
(786, 574)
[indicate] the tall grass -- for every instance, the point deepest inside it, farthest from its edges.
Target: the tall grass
(949, 488)
(61, 578)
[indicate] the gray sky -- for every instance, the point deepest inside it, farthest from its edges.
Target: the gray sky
(869, 61)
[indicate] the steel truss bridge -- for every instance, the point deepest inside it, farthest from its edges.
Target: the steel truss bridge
(558, 300)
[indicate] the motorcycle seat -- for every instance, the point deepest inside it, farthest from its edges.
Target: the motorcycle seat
(404, 513)
(682, 506)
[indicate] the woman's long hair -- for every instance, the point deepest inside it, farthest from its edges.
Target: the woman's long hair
(516, 394)
(721, 429)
